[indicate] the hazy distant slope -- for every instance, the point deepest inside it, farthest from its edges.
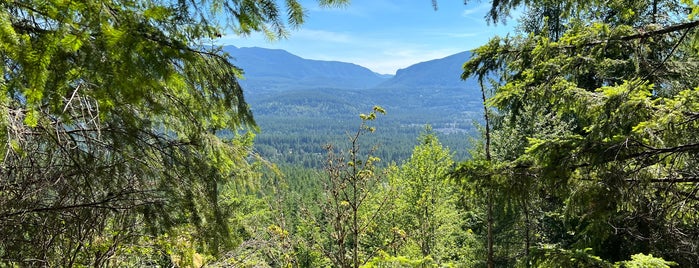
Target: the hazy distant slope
(433, 88)
(302, 104)
(280, 83)
(275, 69)
(438, 73)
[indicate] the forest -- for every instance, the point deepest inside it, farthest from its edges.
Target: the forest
(126, 141)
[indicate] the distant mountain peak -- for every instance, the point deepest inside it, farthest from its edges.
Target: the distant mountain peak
(277, 69)
(444, 72)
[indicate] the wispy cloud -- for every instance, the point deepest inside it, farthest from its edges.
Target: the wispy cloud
(388, 59)
(454, 34)
(381, 53)
(322, 36)
(389, 64)
(363, 10)
(395, 34)
(352, 10)
(477, 10)
(462, 35)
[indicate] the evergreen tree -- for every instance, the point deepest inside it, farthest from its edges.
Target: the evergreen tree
(426, 205)
(351, 202)
(602, 123)
(109, 112)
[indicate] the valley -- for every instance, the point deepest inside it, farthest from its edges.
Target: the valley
(301, 105)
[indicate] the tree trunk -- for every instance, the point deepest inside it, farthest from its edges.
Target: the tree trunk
(490, 261)
(527, 231)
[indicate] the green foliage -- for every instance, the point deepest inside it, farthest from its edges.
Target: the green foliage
(345, 225)
(551, 256)
(555, 257)
(109, 112)
(586, 153)
(424, 195)
(385, 260)
(645, 261)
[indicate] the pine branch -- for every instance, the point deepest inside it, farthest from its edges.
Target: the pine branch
(669, 180)
(655, 151)
(96, 204)
(640, 35)
(650, 152)
(669, 29)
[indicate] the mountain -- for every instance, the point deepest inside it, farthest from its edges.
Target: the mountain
(433, 89)
(279, 70)
(280, 83)
(301, 104)
(438, 73)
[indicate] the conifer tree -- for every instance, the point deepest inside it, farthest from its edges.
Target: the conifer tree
(613, 101)
(109, 112)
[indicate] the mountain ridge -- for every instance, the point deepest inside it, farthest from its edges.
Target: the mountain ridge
(276, 79)
(301, 104)
(443, 73)
(278, 70)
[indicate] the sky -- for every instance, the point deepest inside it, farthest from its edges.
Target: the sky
(384, 35)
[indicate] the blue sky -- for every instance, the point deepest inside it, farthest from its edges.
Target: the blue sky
(384, 35)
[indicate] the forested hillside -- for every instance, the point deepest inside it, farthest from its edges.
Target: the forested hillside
(312, 104)
(278, 70)
(437, 73)
(128, 140)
